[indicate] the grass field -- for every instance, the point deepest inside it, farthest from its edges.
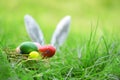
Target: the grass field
(91, 51)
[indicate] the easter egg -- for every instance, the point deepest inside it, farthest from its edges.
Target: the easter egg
(47, 51)
(34, 55)
(27, 47)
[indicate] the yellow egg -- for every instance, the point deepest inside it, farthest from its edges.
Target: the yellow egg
(34, 55)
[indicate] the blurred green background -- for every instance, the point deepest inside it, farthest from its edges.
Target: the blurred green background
(84, 14)
(100, 57)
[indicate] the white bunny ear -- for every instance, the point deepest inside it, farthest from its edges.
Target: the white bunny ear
(33, 29)
(61, 32)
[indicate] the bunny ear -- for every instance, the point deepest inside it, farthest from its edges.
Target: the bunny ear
(33, 29)
(61, 32)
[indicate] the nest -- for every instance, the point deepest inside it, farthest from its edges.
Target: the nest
(21, 60)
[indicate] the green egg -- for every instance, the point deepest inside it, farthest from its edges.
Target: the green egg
(27, 47)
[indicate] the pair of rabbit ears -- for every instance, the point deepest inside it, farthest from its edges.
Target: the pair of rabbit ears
(58, 37)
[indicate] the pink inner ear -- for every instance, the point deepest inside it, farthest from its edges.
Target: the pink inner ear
(47, 50)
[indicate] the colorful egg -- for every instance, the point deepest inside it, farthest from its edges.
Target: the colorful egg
(27, 47)
(47, 51)
(34, 55)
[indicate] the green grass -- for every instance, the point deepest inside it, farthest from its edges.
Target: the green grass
(91, 51)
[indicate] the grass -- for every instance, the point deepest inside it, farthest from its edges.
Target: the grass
(91, 51)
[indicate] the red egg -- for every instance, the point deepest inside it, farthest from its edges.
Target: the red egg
(47, 51)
